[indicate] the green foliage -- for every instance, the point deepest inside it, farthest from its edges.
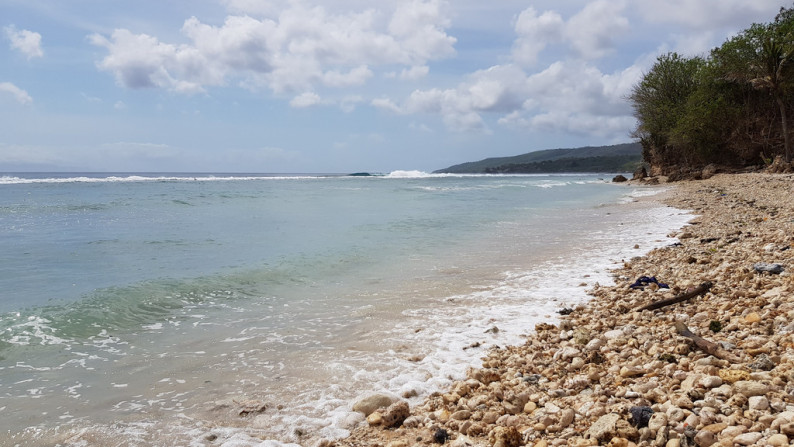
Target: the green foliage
(586, 159)
(729, 108)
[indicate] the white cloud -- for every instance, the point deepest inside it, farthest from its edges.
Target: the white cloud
(593, 30)
(24, 41)
(294, 47)
(306, 99)
(591, 33)
(414, 73)
(535, 32)
(386, 104)
(20, 95)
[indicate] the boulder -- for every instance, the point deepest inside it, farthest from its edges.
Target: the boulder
(396, 414)
(619, 179)
(640, 173)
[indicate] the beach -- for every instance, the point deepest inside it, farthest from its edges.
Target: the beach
(714, 368)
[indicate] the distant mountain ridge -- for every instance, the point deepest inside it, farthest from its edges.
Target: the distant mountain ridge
(616, 158)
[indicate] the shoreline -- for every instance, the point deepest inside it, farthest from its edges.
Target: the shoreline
(578, 382)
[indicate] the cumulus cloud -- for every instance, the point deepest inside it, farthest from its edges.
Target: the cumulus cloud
(300, 48)
(590, 33)
(306, 99)
(20, 95)
(593, 30)
(24, 41)
(535, 32)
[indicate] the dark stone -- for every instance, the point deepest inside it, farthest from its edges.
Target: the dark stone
(619, 179)
(565, 311)
(640, 416)
(640, 173)
(762, 363)
(761, 267)
(667, 357)
(715, 326)
(440, 436)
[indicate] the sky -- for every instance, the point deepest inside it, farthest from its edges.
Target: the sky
(330, 86)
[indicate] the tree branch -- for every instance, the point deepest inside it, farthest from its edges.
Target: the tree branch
(709, 347)
(699, 290)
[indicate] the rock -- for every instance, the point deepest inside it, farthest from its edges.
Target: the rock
(619, 179)
(787, 429)
(396, 414)
(657, 421)
(399, 443)
(763, 267)
(369, 404)
(752, 317)
(566, 417)
(504, 437)
(440, 436)
(618, 442)
(640, 416)
(375, 419)
(594, 344)
(748, 438)
(709, 382)
(705, 438)
(461, 415)
(604, 428)
(778, 440)
(762, 363)
(750, 388)
(675, 442)
(463, 441)
(632, 371)
(709, 171)
(640, 173)
(733, 375)
(759, 403)
(530, 407)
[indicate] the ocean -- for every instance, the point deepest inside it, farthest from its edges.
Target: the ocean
(244, 310)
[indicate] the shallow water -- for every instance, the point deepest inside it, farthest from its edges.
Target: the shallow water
(143, 310)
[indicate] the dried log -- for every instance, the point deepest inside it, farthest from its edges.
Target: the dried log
(709, 347)
(699, 290)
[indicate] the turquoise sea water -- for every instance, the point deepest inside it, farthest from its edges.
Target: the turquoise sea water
(142, 309)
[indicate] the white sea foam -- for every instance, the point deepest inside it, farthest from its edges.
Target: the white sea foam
(316, 358)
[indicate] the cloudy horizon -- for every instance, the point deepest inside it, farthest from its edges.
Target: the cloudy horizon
(330, 86)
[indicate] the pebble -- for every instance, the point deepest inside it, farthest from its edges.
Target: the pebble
(575, 382)
(750, 388)
(759, 403)
(748, 438)
(778, 440)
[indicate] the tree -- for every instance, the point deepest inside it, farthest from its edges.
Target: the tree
(659, 101)
(774, 60)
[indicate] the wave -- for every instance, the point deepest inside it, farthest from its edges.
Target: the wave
(15, 180)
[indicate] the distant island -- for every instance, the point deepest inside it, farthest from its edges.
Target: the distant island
(617, 158)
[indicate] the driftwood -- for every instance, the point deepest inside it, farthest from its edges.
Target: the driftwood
(699, 290)
(709, 347)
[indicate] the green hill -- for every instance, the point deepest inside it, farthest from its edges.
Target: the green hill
(617, 158)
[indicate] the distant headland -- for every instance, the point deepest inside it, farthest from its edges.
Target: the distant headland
(617, 158)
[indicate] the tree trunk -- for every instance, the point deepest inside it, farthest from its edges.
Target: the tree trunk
(784, 120)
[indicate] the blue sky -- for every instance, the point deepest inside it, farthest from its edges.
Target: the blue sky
(330, 86)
